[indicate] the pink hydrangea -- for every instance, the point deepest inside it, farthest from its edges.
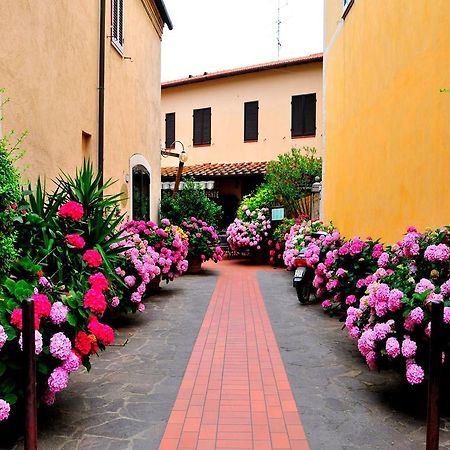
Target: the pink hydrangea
(371, 360)
(95, 301)
(445, 289)
(414, 373)
(446, 314)
(417, 315)
(350, 300)
(42, 305)
(366, 342)
(141, 307)
(75, 240)
(3, 337)
(58, 313)
(392, 347)
(5, 408)
(37, 342)
(409, 348)
(58, 380)
(394, 300)
(130, 280)
(60, 346)
(383, 260)
(326, 304)
(381, 330)
(440, 252)
(424, 285)
(72, 362)
(71, 210)
(115, 302)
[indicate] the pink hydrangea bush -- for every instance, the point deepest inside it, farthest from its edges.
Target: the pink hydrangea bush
(300, 235)
(391, 321)
(169, 241)
(251, 232)
(203, 240)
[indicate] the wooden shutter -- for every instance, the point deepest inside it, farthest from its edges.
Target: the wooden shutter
(251, 121)
(303, 117)
(170, 130)
(202, 126)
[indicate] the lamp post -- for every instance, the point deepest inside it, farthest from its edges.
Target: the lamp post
(182, 157)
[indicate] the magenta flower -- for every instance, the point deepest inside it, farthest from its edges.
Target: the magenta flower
(71, 210)
(409, 348)
(414, 374)
(392, 347)
(75, 240)
(5, 408)
(72, 362)
(58, 380)
(58, 313)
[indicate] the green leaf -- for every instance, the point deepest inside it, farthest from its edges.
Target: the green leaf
(10, 398)
(71, 319)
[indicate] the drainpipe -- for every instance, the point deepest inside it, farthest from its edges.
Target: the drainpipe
(101, 89)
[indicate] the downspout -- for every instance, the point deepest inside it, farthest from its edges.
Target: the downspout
(101, 90)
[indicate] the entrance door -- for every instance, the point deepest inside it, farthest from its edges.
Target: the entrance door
(141, 193)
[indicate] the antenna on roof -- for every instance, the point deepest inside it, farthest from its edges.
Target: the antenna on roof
(279, 22)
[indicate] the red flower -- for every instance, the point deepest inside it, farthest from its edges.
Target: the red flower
(13, 205)
(42, 305)
(16, 319)
(103, 333)
(71, 210)
(40, 273)
(83, 343)
(93, 258)
(75, 240)
(95, 301)
(98, 281)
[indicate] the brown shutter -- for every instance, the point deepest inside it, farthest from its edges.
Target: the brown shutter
(170, 130)
(202, 126)
(251, 121)
(303, 117)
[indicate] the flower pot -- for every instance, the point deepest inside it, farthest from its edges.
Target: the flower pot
(195, 265)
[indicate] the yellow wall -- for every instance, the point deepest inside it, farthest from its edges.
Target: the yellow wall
(387, 133)
(226, 97)
(49, 68)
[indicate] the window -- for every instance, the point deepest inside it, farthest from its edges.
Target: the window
(141, 193)
(303, 115)
(170, 130)
(202, 126)
(251, 121)
(117, 24)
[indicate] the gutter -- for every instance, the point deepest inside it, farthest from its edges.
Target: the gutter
(101, 90)
(163, 13)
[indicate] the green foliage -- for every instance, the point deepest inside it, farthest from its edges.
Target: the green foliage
(189, 202)
(9, 201)
(261, 198)
(290, 177)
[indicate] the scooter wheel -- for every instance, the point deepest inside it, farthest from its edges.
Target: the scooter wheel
(303, 292)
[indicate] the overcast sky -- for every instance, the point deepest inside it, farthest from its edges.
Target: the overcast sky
(211, 35)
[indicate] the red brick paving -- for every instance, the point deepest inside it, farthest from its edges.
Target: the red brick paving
(235, 393)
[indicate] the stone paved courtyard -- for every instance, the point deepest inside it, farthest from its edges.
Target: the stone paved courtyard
(126, 400)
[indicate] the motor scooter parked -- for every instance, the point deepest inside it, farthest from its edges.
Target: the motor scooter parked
(304, 274)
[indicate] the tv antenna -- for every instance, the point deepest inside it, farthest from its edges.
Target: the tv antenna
(279, 22)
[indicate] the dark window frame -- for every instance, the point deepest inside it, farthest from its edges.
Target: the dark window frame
(303, 124)
(141, 192)
(251, 121)
(170, 133)
(201, 133)
(117, 25)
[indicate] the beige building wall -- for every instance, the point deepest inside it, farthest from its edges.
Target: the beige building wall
(226, 97)
(49, 70)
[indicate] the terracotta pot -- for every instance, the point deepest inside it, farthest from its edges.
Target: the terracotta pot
(195, 265)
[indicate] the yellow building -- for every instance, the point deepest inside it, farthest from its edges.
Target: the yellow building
(232, 122)
(387, 116)
(52, 69)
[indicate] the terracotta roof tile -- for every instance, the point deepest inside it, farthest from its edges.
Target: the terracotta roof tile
(218, 170)
(317, 57)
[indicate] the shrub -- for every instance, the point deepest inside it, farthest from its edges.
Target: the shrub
(189, 202)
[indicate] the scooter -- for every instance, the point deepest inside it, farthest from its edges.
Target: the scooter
(303, 277)
(304, 274)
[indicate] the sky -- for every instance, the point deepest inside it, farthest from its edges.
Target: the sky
(211, 35)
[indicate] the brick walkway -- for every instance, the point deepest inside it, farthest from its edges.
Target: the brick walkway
(235, 393)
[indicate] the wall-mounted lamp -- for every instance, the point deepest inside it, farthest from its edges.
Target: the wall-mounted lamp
(182, 157)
